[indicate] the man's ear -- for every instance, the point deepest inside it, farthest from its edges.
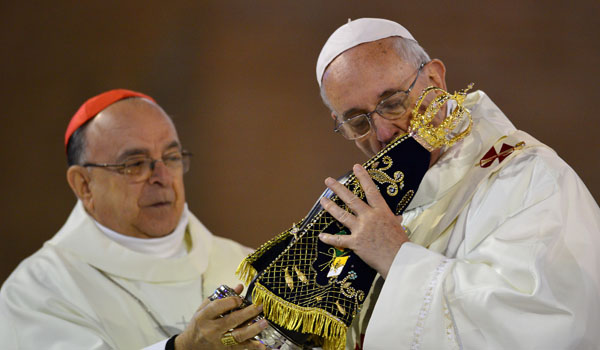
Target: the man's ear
(333, 116)
(79, 180)
(436, 72)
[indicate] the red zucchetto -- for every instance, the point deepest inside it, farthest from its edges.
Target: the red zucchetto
(90, 108)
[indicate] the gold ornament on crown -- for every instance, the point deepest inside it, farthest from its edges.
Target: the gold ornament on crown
(432, 137)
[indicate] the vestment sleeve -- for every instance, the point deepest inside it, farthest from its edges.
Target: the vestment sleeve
(525, 275)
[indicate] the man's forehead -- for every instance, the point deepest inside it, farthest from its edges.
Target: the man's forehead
(94, 105)
(134, 113)
(370, 70)
(131, 124)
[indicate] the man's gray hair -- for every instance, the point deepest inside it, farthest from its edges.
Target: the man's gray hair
(409, 50)
(76, 146)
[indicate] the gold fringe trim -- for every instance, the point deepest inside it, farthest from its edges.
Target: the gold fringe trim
(301, 319)
(245, 271)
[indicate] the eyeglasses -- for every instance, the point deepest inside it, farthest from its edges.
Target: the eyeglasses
(391, 107)
(141, 168)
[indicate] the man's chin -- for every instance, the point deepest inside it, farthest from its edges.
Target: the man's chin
(157, 231)
(159, 222)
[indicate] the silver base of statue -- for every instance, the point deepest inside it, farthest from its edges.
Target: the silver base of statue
(271, 337)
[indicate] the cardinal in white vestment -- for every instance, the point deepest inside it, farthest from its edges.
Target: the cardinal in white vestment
(500, 247)
(132, 267)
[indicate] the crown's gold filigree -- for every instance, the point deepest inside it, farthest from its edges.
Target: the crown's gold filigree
(432, 137)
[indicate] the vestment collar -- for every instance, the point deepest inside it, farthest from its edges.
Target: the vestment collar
(81, 237)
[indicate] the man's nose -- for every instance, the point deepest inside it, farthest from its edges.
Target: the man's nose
(385, 129)
(160, 173)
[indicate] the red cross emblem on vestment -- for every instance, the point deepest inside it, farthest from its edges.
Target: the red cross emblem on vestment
(505, 151)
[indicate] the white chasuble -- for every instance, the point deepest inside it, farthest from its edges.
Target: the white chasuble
(82, 290)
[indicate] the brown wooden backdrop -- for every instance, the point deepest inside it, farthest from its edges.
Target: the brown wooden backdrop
(238, 77)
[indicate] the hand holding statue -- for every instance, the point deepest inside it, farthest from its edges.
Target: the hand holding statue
(210, 330)
(376, 233)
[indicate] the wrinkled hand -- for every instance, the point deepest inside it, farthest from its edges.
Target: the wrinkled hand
(207, 327)
(376, 233)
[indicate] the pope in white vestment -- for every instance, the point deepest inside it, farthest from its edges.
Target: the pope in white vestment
(516, 268)
(500, 246)
(496, 276)
(82, 290)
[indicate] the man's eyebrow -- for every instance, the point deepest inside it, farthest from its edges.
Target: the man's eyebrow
(352, 112)
(174, 144)
(144, 152)
(388, 93)
(355, 111)
(132, 152)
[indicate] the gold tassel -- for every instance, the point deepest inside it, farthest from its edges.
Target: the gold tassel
(303, 319)
(245, 272)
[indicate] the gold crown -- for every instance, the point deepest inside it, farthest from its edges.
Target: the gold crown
(430, 136)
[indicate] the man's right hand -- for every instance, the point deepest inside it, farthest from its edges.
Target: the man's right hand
(207, 326)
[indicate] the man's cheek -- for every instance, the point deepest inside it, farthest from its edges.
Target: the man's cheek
(364, 146)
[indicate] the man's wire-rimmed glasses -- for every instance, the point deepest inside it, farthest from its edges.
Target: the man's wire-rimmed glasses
(391, 107)
(140, 168)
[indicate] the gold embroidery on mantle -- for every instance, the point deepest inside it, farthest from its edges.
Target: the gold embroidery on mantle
(404, 201)
(395, 184)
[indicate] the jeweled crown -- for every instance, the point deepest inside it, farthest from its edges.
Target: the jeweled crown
(426, 133)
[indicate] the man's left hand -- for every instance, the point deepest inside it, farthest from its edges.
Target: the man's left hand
(376, 233)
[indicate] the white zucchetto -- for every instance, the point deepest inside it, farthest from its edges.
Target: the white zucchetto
(353, 33)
